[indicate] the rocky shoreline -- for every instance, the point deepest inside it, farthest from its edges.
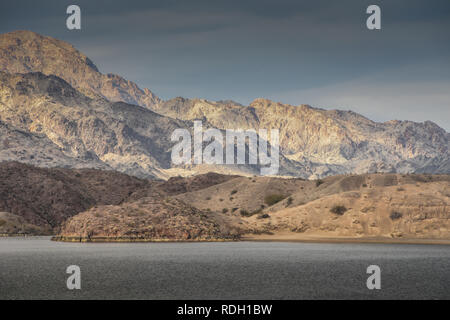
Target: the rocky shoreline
(136, 239)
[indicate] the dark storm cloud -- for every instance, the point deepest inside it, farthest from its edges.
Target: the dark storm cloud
(316, 52)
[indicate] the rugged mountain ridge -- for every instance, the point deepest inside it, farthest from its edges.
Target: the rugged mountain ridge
(26, 51)
(329, 142)
(124, 137)
(83, 132)
(93, 120)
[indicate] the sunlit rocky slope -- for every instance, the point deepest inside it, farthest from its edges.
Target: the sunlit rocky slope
(80, 117)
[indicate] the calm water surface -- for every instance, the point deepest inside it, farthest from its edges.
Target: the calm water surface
(35, 268)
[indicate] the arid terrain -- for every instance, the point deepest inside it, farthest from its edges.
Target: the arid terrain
(58, 110)
(87, 156)
(370, 207)
(98, 205)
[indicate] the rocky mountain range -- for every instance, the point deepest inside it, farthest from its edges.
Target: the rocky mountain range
(58, 110)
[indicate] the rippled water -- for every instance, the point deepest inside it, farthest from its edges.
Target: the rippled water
(36, 268)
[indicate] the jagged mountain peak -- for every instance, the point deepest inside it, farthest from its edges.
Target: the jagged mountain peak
(27, 51)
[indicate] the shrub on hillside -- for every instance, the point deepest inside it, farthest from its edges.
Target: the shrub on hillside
(244, 213)
(395, 215)
(289, 201)
(338, 209)
(271, 199)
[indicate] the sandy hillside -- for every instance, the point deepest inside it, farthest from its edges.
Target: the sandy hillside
(384, 207)
(411, 211)
(389, 206)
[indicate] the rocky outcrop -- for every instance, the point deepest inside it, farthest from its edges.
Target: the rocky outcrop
(26, 51)
(145, 220)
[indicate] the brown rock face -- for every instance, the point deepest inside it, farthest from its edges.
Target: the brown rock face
(26, 51)
(47, 197)
(42, 199)
(11, 224)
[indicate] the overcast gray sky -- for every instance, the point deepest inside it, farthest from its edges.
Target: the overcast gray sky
(312, 52)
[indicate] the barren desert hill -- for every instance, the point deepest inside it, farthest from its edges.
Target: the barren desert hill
(382, 206)
(269, 194)
(243, 193)
(410, 211)
(100, 205)
(179, 185)
(146, 219)
(46, 197)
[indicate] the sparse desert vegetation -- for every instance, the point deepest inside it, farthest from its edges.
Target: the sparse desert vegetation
(289, 201)
(121, 207)
(395, 215)
(271, 199)
(338, 209)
